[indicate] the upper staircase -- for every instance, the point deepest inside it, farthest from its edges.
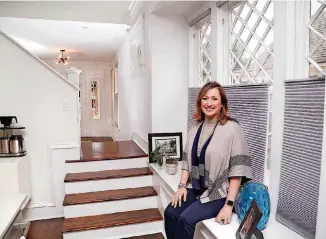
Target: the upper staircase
(110, 194)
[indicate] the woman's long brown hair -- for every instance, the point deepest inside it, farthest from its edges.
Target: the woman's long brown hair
(223, 115)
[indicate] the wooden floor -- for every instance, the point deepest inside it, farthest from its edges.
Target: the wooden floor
(108, 150)
(51, 229)
(46, 229)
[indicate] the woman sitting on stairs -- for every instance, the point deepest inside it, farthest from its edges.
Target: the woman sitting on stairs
(215, 163)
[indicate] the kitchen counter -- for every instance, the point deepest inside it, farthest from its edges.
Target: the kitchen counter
(10, 206)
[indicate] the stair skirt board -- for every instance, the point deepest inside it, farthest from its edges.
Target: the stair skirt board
(90, 209)
(79, 167)
(108, 184)
(130, 230)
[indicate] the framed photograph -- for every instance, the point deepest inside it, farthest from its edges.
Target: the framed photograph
(169, 144)
(248, 226)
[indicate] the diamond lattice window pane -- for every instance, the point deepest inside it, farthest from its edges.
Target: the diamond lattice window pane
(245, 57)
(320, 55)
(261, 54)
(252, 20)
(245, 12)
(317, 42)
(236, 9)
(261, 77)
(314, 6)
(252, 44)
(245, 79)
(261, 4)
(262, 27)
(253, 68)
(205, 42)
(251, 54)
(237, 27)
(320, 23)
(268, 65)
(269, 39)
(269, 14)
(244, 35)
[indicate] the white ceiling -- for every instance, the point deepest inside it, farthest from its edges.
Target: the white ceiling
(85, 11)
(177, 7)
(83, 41)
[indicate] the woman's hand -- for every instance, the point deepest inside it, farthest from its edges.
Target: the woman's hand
(224, 217)
(181, 193)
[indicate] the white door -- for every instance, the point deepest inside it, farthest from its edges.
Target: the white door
(94, 107)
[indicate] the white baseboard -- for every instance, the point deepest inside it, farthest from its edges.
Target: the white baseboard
(41, 213)
(40, 205)
(140, 140)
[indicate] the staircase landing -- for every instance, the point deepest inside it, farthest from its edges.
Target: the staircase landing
(108, 150)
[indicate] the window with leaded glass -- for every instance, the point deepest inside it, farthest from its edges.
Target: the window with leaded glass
(205, 56)
(251, 50)
(317, 38)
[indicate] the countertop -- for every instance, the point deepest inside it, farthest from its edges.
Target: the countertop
(9, 208)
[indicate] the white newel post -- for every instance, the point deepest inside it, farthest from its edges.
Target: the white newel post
(73, 77)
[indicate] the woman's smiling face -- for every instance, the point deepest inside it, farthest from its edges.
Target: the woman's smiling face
(211, 103)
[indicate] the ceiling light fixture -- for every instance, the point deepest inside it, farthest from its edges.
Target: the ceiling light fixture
(62, 59)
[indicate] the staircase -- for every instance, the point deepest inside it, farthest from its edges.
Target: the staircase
(110, 194)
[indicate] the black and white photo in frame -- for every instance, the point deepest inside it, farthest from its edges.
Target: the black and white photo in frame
(167, 144)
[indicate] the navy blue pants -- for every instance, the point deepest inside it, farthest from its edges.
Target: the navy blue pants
(180, 222)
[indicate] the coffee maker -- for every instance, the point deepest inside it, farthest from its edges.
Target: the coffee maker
(11, 144)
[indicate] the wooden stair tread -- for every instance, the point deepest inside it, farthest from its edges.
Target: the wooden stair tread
(107, 174)
(151, 236)
(98, 151)
(110, 220)
(109, 195)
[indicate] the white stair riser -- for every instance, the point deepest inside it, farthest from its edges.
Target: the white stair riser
(108, 184)
(95, 166)
(117, 232)
(90, 209)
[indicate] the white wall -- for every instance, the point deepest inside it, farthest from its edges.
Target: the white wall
(169, 39)
(134, 89)
(35, 94)
(157, 100)
(103, 126)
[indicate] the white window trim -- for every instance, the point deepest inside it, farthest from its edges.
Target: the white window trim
(284, 19)
(220, 23)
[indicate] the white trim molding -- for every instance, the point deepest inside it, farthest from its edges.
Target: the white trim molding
(52, 147)
(283, 69)
(140, 140)
(40, 204)
(220, 40)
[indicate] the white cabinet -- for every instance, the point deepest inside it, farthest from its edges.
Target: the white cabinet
(15, 176)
